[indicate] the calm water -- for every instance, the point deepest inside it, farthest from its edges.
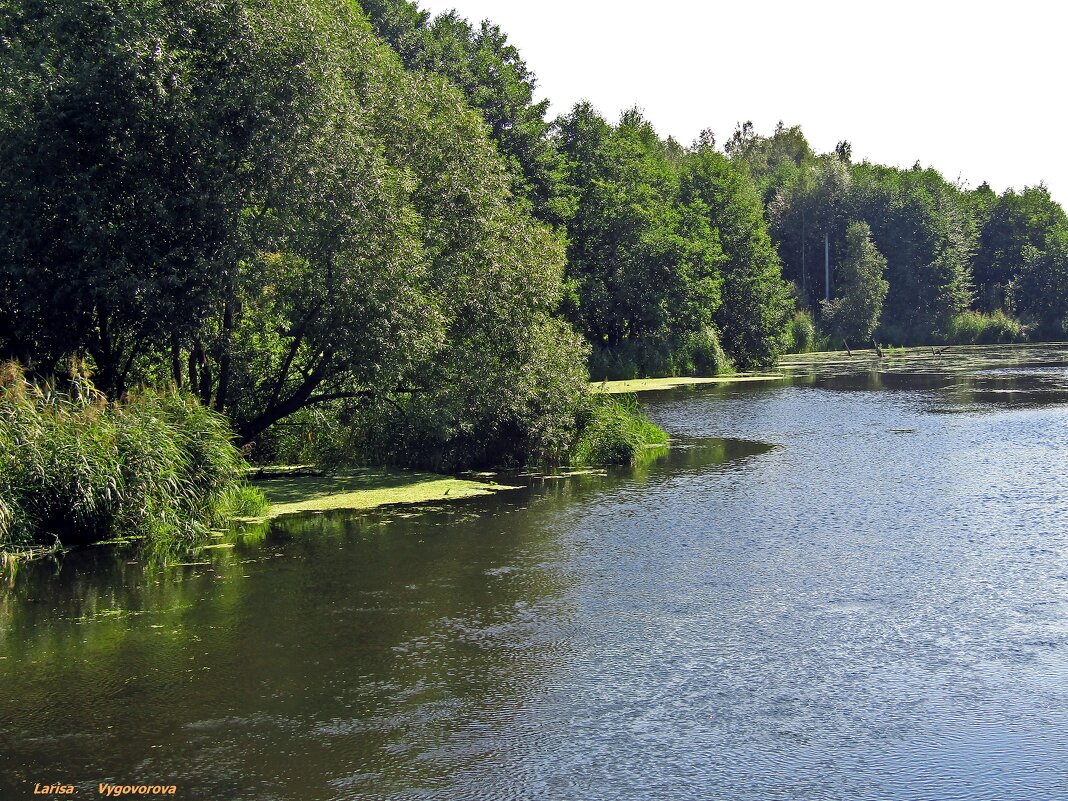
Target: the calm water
(860, 591)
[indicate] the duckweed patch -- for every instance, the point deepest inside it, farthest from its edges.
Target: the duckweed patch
(655, 384)
(367, 488)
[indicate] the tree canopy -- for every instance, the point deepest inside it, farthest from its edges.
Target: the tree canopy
(260, 198)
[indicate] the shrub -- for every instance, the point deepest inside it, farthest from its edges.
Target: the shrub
(77, 468)
(977, 328)
(613, 430)
(801, 334)
(700, 354)
(704, 355)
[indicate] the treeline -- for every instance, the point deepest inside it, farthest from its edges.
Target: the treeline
(914, 258)
(668, 254)
(353, 231)
(670, 268)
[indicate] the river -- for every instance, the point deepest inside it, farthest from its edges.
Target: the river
(851, 583)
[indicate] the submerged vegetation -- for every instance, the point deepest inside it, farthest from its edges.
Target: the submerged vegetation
(76, 467)
(368, 489)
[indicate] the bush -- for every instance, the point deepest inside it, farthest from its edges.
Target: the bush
(801, 334)
(631, 359)
(77, 468)
(613, 430)
(704, 355)
(977, 328)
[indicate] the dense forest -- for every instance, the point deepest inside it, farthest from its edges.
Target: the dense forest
(352, 230)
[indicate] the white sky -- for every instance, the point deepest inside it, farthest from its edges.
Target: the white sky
(974, 89)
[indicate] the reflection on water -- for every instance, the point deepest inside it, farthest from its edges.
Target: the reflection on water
(860, 590)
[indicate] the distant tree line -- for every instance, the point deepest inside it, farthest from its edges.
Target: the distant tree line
(910, 253)
(321, 216)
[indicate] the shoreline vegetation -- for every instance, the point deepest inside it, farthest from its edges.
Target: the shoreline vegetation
(74, 448)
(78, 469)
(357, 240)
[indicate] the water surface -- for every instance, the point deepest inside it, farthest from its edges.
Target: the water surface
(849, 584)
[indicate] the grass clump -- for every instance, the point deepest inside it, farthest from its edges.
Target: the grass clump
(613, 430)
(77, 468)
(801, 334)
(978, 328)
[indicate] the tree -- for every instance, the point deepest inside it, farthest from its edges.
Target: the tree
(642, 263)
(923, 227)
(1008, 225)
(123, 164)
(494, 79)
(1039, 290)
(773, 160)
(257, 199)
(860, 287)
(809, 210)
(755, 300)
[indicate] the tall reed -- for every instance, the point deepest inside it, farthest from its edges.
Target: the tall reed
(614, 430)
(77, 468)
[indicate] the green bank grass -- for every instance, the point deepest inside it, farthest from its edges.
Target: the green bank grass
(614, 430)
(76, 468)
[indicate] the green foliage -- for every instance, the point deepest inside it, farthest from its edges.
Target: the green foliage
(75, 467)
(613, 430)
(495, 402)
(1039, 292)
(701, 354)
(772, 161)
(756, 305)
(1008, 225)
(802, 336)
(704, 355)
(642, 263)
(921, 224)
(807, 211)
(665, 245)
(298, 223)
(980, 328)
(861, 288)
(494, 79)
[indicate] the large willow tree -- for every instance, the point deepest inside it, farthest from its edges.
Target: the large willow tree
(255, 200)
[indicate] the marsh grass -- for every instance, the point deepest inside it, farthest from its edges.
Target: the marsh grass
(614, 430)
(77, 468)
(978, 328)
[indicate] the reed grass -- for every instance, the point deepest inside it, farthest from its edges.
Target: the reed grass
(614, 430)
(77, 468)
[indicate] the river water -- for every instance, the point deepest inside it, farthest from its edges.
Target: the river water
(847, 584)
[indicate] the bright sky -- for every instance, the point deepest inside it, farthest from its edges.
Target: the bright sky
(974, 89)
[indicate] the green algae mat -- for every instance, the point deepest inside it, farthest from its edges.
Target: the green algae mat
(366, 489)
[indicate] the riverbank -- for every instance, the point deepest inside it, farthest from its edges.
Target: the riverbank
(949, 358)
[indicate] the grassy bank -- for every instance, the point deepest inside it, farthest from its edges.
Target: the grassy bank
(76, 468)
(614, 430)
(611, 430)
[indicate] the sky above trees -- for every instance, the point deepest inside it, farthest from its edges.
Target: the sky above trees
(970, 88)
